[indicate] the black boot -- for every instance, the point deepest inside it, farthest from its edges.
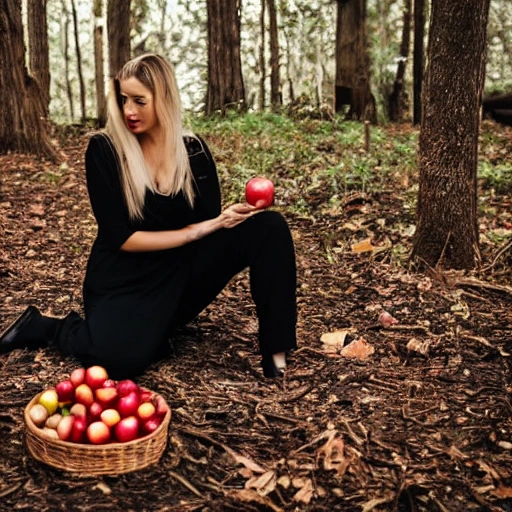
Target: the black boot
(31, 330)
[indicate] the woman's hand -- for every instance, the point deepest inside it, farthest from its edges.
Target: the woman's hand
(142, 241)
(236, 214)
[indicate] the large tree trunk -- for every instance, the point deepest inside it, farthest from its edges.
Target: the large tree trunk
(418, 52)
(352, 66)
(446, 227)
(225, 83)
(81, 83)
(101, 104)
(38, 48)
(276, 98)
(24, 127)
(118, 28)
(396, 98)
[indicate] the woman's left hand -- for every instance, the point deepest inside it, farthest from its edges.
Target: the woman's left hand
(236, 214)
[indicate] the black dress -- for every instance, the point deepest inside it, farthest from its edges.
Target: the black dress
(133, 300)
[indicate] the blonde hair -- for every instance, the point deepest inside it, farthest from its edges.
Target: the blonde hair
(157, 75)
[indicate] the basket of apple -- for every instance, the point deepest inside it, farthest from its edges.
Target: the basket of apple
(93, 425)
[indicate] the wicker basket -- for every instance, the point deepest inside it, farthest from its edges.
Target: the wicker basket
(89, 460)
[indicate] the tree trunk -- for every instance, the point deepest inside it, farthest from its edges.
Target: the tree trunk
(65, 52)
(263, 68)
(396, 99)
(225, 83)
(419, 38)
(101, 104)
(446, 224)
(39, 65)
(24, 127)
(118, 29)
(276, 98)
(81, 83)
(352, 66)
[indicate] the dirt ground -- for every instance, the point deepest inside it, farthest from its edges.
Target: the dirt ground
(422, 423)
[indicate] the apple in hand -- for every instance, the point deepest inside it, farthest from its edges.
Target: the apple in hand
(259, 192)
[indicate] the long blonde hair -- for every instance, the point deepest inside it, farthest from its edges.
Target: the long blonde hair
(157, 74)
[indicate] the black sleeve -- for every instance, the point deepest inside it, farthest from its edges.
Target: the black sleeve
(105, 192)
(206, 181)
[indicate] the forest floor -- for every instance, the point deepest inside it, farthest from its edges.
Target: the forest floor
(422, 421)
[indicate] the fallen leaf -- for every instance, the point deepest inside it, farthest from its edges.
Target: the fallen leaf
(264, 484)
(503, 492)
(305, 494)
(333, 455)
(359, 349)
(334, 341)
(364, 246)
(416, 345)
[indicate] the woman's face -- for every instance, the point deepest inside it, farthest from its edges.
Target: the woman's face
(138, 107)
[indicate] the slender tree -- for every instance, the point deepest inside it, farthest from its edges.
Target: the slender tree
(446, 225)
(419, 51)
(262, 67)
(396, 98)
(276, 97)
(39, 64)
(81, 82)
(101, 104)
(118, 29)
(225, 83)
(24, 127)
(352, 65)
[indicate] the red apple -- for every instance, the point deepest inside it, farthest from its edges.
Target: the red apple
(110, 417)
(127, 429)
(84, 395)
(95, 376)
(106, 396)
(98, 433)
(77, 376)
(65, 427)
(65, 391)
(259, 192)
(151, 425)
(146, 396)
(161, 406)
(95, 409)
(78, 410)
(78, 430)
(128, 405)
(127, 386)
(146, 410)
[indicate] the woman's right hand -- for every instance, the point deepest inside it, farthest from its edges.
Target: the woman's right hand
(236, 214)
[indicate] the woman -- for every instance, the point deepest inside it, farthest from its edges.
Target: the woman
(164, 249)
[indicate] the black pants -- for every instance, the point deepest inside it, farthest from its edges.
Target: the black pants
(126, 333)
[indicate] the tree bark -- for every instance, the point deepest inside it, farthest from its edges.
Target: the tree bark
(446, 224)
(81, 83)
(396, 99)
(24, 127)
(276, 97)
(352, 66)
(263, 67)
(65, 51)
(118, 29)
(39, 64)
(419, 51)
(225, 83)
(101, 103)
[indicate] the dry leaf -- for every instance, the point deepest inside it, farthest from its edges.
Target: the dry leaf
(264, 484)
(252, 496)
(333, 341)
(359, 349)
(503, 492)
(333, 455)
(364, 246)
(416, 345)
(305, 494)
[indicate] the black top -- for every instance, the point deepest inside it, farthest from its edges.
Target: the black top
(111, 270)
